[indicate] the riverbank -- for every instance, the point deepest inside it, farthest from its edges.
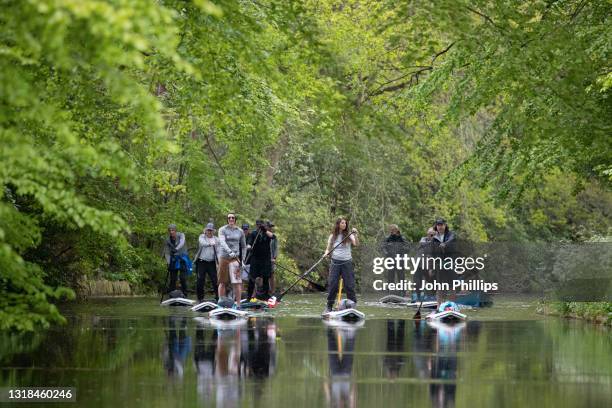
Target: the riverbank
(596, 312)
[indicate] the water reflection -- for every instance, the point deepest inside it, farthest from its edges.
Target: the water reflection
(204, 359)
(436, 346)
(227, 354)
(340, 389)
(393, 363)
(177, 346)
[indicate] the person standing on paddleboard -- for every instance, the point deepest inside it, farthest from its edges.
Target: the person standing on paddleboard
(232, 250)
(394, 245)
(341, 261)
(442, 247)
(175, 251)
(261, 262)
(206, 261)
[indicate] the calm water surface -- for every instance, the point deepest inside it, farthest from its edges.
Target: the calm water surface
(132, 352)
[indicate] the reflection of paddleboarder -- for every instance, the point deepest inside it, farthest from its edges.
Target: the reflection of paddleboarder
(258, 359)
(204, 360)
(340, 390)
(178, 346)
(227, 368)
(393, 363)
(440, 366)
(261, 348)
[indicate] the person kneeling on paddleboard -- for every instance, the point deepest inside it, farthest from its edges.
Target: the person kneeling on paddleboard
(341, 261)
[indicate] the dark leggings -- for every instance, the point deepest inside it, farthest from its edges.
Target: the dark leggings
(337, 270)
(204, 268)
(183, 277)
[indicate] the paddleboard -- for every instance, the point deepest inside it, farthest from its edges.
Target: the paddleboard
(426, 305)
(394, 299)
(228, 314)
(204, 307)
(254, 305)
(447, 316)
(346, 315)
(178, 302)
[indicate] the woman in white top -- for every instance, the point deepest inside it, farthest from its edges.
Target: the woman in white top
(206, 261)
(339, 246)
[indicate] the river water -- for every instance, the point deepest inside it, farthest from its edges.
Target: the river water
(132, 352)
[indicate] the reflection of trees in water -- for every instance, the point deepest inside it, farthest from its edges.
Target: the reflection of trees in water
(340, 389)
(177, 347)
(225, 356)
(437, 345)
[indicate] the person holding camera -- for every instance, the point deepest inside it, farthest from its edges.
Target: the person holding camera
(260, 260)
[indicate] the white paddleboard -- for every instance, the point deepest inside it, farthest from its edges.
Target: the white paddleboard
(228, 314)
(178, 302)
(447, 316)
(204, 307)
(394, 299)
(346, 315)
(426, 305)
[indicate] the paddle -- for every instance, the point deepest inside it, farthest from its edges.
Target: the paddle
(317, 286)
(302, 276)
(417, 315)
(339, 298)
(163, 289)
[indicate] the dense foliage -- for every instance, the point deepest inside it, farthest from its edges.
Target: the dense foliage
(120, 116)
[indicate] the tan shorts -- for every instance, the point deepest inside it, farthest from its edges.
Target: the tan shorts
(229, 271)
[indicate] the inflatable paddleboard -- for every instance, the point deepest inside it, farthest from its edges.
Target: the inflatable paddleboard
(394, 299)
(346, 315)
(228, 314)
(447, 316)
(426, 305)
(254, 305)
(178, 302)
(204, 307)
(448, 312)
